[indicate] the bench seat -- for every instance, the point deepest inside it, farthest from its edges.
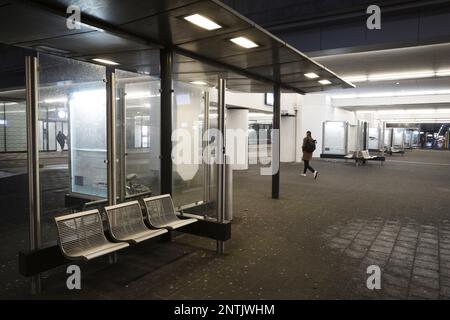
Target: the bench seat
(89, 254)
(81, 236)
(126, 223)
(161, 213)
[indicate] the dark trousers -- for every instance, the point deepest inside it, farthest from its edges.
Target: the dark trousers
(307, 167)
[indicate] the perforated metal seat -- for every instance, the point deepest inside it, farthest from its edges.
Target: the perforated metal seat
(126, 223)
(81, 236)
(367, 156)
(161, 213)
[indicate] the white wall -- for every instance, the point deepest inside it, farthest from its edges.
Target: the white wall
(316, 109)
(415, 108)
(237, 143)
(287, 138)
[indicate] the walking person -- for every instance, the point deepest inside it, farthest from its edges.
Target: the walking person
(61, 138)
(308, 147)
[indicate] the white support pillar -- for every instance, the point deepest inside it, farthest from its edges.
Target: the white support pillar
(288, 132)
(237, 137)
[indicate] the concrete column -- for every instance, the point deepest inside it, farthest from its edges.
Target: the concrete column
(287, 138)
(237, 138)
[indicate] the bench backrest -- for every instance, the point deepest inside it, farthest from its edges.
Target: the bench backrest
(80, 231)
(125, 219)
(160, 207)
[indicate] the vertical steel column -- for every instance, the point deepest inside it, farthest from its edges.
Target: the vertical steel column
(383, 133)
(111, 136)
(365, 128)
(206, 169)
(221, 187)
(123, 144)
(34, 195)
(166, 61)
(276, 141)
(392, 139)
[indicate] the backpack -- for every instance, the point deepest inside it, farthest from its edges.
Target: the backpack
(310, 146)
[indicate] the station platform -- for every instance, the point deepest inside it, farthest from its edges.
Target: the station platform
(314, 243)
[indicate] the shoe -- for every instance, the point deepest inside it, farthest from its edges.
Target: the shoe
(303, 174)
(316, 173)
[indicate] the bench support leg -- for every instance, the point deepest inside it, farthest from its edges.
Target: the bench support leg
(36, 284)
(112, 258)
(220, 247)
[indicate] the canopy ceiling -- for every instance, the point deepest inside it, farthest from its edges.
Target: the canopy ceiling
(132, 32)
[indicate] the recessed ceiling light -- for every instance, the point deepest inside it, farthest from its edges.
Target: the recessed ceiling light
(354, 79)
(443, 73)
(244, 42)
(200, 83)
(202, 22)
(56, 100)
(112, 63)
(311, 75)
(324, 82)
(402, 76)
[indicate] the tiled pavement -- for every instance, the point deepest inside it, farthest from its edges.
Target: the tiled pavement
(414, 258)
(315, 242)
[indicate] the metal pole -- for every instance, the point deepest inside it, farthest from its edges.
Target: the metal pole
(111, 143)
(206, 171)
(123, 144)
(228, 189)
(34, 196)
(365, 128)
(111, 136)
(166, 61)
(276, 141)
(221, 159)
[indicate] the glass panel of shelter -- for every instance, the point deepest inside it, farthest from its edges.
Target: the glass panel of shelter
(138, 133)
(72, 105)
(14, 227)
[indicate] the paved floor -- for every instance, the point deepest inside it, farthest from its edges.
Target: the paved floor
(314, 243)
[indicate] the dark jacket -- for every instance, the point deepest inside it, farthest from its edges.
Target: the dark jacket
(306, 155)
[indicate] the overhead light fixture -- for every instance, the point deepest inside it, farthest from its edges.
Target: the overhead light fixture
(244, 42)
(401, 76)
(324, 82)
(398, 76)
(200, 83)
(104, 61)
(355, 79)
(311, 75)
(391, 94)
(202, 22)
(62, 114)
(56, 100)
(443, 73)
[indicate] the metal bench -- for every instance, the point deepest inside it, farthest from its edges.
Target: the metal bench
(81, 236)
(161, 213)
(126, 223)
(366, 155)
